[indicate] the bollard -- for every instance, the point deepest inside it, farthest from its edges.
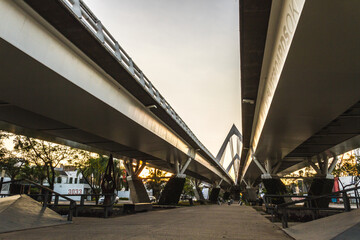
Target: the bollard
(71, 209)
(356, 194)
(82, 199)
(346, 202)
(45, 199)
(284, 219)
(106, 213)
(56, 202)
(1, 183)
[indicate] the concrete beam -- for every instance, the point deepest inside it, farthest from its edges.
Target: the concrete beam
(318, 171)
(138, 193)
(139, 170)
(333, 164)
(172, 191)
(262, 169)
(276, 168)
(183, 169)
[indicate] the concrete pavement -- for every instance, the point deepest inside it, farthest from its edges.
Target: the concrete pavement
(21, 212)
(199, 222)
(340, 226)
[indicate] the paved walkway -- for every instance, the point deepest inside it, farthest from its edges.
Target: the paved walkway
(340, 226)
(200, 222)
(22, 212)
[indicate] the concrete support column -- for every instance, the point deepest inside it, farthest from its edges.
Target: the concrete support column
(138, 193)
(214, 194)
(235, 192)
(172, 191)
(274, 186)
(321, 185)
(198, 194)
(272, 183)
(226, 195)
(174, 187)
(249, 195)
(197, 191)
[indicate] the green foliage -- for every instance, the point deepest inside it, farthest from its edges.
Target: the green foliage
(33, 172)
(34, 159)
(120, 175)
(45, 155)
(93, 170)
(2, 153)
(40, 158)
(348, 167)
(156, 181)
(188, 188)
(12, 166)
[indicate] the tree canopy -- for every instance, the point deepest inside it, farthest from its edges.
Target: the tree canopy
(348, 166)
(45, 155)
(156, 181)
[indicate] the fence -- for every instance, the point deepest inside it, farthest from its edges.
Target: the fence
(308, 203)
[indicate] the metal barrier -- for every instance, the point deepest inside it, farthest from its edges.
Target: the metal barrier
(45, 198)
(87, 17)
(48, 195)
(308, 200)
(107, 208)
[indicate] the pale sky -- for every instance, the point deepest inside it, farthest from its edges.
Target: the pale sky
(189, 49)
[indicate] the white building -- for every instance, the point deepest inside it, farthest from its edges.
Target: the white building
(70, 183)
(5, 187)
(347, 183)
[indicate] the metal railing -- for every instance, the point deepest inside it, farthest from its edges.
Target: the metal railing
(309, 203)
(50, 198)
(46, 197)
(87, 17)
(107, 207)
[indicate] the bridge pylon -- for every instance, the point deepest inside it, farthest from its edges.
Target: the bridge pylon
(138, 192)
(235, 154)
(173, 188)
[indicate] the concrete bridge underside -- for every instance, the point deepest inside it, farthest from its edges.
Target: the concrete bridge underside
(51, 89)
(314, 109)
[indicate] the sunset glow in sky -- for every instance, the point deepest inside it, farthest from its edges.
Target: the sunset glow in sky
(190, 51)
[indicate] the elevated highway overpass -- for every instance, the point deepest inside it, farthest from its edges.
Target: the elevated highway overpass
(67, 80)
(300, 83)
(64, 78)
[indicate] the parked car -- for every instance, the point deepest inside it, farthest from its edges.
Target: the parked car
(101, 200)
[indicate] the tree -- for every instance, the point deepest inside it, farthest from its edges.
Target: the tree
(188, 188)
(12, 166)
(33, 172)
(45, 154)
(2, 152)
(9, 162)
(347, 166)
(156, 181)
(120, 175)
(93, 170)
